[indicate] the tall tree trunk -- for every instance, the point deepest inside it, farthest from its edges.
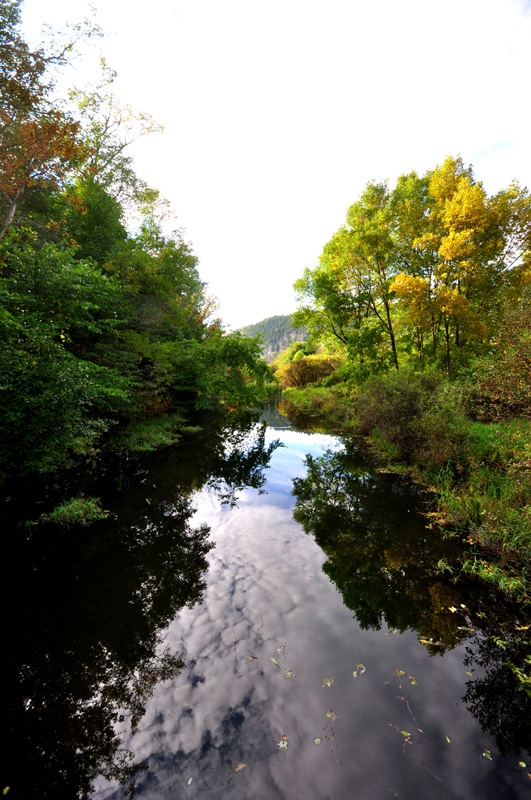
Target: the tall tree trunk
(447, 337)
(12, 211)
(391, 333)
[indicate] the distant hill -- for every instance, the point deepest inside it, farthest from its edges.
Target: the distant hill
(277, 333)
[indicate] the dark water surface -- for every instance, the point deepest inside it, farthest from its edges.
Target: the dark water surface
(270, 622)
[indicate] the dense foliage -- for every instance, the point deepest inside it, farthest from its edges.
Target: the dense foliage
(104, 323)
(422, 299)
(421, 273)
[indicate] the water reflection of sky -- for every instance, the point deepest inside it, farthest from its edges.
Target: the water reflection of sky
(287, 463)
(266, 588)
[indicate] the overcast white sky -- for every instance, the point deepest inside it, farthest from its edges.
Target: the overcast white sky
(277, 114)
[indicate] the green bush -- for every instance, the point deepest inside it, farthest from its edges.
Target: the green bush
(418, 418)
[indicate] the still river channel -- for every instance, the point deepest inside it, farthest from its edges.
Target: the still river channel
(262, 618)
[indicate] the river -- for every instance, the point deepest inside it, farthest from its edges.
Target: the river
(261, 617)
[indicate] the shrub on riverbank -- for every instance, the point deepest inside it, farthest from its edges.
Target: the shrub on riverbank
(490, 502)
(309, 369)
(417, 418)
(480, 472)
(331, 402)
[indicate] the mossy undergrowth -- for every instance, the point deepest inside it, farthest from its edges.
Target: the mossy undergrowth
(155, 433)
(76, 511)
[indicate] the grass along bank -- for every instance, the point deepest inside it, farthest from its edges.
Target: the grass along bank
(479, 471)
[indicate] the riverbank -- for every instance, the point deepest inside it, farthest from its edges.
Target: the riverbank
(479, 472)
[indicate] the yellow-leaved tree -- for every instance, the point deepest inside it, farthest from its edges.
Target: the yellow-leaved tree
(469, 248)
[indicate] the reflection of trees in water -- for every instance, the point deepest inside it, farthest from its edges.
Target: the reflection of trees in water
(383, 560)
(88, 609)
(496, 699)
(381, 556)
(242, 463)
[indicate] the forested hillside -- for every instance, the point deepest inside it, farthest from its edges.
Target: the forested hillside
(276, 333)
(105, 324)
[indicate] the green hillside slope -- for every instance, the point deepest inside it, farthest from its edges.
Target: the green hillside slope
(277, 333)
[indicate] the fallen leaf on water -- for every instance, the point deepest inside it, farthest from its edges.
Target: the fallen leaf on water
(317, 740)
(275, 661)
(405, 734)
(281, 648)
(522, 764)
(448, 739)
(330, 714)
(283, 744)
(250, 658)
(328, 682)
(487, 754)
(189, 781)
(240, 766)
(360, 669)
(290, 673)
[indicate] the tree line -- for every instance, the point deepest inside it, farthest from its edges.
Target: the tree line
(104, 319)
(425, 273)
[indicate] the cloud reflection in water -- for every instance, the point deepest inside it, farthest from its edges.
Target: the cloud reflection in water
(266, 587)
